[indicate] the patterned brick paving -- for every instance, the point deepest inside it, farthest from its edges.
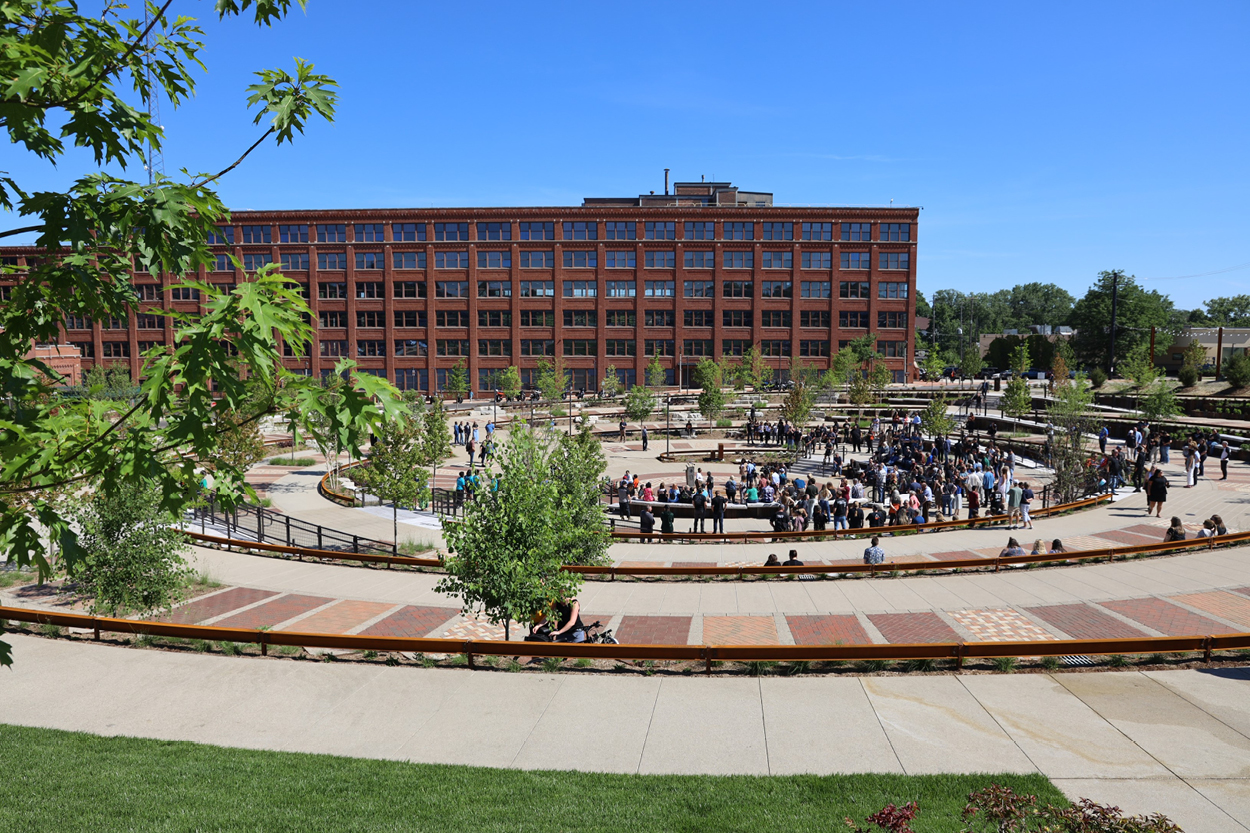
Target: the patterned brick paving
(273, 612)
(654, 630)
(1243, 590)
(1000, 625)
(198, 610)
(1082, 621)
(1153, 531)
(411, 621)
(913, 627)
(341, 618)
(481, 629)
(1228, 606)
(827, 630)
(1166, 617)
(739, 630)
(1131, 539)
(956, 555)
(1087, 542)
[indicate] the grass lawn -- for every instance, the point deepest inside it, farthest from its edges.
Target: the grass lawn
(70, 781)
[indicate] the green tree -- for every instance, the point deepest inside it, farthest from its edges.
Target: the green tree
(1017, 398)
(508, 550)
(457, 380)
(611, 384)
(1033, 304)
(1139, 367)
(1070, 411)
(435, 438)
(935, 420)
(707, 376)
(1228, 312)
(396, 469)
(657, 376)
(132, 560)
(550, 379)
(1237, 370)
(639, 403)
(1137, 311)
(1159, 402)
(759, 371)
(508, 381)
(578, 465)
(972, 363)
(799, 401)
(934, 363)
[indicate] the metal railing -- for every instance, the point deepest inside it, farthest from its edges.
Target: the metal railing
(265, 525)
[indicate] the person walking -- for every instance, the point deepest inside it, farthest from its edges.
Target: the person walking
(1191, 464)
(622, 495)
(1014, 495)
(1156, 492)
(1225, 453)
(644, 438)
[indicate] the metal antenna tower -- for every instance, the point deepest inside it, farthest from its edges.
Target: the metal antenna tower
(155, 162)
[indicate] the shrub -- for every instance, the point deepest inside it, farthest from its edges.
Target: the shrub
(1188, 376)
(1097, 377)
(1050, 663)
(1237, 370)
(292, 461)
(1005, 664)
(552, 664)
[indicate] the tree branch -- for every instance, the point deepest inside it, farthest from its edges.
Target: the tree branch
(236, 163)
(14, 231)
(112, 67)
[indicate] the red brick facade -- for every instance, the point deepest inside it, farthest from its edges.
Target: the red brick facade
(372, 259)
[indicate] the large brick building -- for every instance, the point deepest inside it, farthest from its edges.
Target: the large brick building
(705, 270)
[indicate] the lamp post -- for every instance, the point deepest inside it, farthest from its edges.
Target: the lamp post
(668, 399)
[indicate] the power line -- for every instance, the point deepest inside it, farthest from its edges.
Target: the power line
(1200, 274)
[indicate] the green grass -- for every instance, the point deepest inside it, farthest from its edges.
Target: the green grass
(292, 461)
(70, 781)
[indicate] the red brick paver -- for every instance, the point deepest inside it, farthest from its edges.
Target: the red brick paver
(411, 621)
(739, 630)
(198, 610)
(1082, 621)
(913, 627)
(1243, 590)
(1132, 539)
(654, 630)
(1228, 606)
(1166, 617)
(273, 612)
(340, 618)
(827, 630)
(957, 555)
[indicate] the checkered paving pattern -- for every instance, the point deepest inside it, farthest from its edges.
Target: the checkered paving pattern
(654, 630)
(913, 627)
(1082, 621)
(1000, 625)
(1153, 530)
(1166, 618)
(739, 630)
(341, 617)
(411, 621)
(1130, 539)
(480, 629)
(273, 612)
(1088, 542)
(827, 630)
(198, 610)
(957, 555)
(1229, 606)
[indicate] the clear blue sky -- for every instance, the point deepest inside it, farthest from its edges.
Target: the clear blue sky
(1045, 141)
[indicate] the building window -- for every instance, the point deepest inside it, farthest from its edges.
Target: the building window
(620, 231)
(145, 346)
(294, 262)
(661, 231)
(818, 231)
(890, 290)
(775, 347)
(697, 318)
(813, 349)
(451, 289)
(581, 260)
(116, 324)
(660, 347)
(223, 236)
(537, 347)
(332, 291)
(370, 233)
(331, 261)
(700, 260)
(892, 320)
(700, 289)
(853, 289)
(660, 289)
(738, 289)
(538, 318)
(892, 349)
(407, 318)
(620, 289)
(817, 260)
(408, 260)
(895, 232)
(366, 290)
(894, 260)
(85, 348)
(697, 347)
(776, 289)
(410, 289)
(660, 260)
(736, 318)
(739, 231)
(620, 318)
(778, 231)
(538, 231)
(580, 347)
(739, 260)
(620, 347)
(412, 378)
(369, 260)
(857, 232)
(494, 347)
(627, 376)
(292, 234)
(581, 289)
(411, 347)
(778, 260)
(853, 319)
(184, 293)
(494, 231)
(253, 262)
(332, 233)
(775, 318)
(494, 318)
(147, 321)
(451, 318)
(657, 318)
(814, 318)
(222, 263)
(814, 289)
(453, 347)
(494, 289)
(538, 289)
(580, 378)
(700, 231)
(580, 318)
(407, 232)
(620, 259)
(855, 260)
(372, 318)
(538, 260)
(115, 350)
(494, 260)
(334, 348)
(735, 346)
(581, 231)
(370, 348)
(257, 234)
(143, 291)
(451, 260)
(451, 231)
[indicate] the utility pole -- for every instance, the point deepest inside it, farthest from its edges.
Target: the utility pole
(1115, 285)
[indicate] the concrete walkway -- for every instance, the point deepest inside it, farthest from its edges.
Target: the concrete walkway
(1176, 742)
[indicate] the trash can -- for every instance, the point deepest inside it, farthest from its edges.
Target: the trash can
(720, 451)
(998, 383)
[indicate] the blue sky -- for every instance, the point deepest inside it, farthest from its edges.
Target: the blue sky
(1045, 142)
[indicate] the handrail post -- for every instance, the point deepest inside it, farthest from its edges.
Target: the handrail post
(707, 660)
(468, 653)
(960, 649)
(1206, 649)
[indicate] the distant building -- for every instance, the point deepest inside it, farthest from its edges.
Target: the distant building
(1052, 334)
(1171, 356)
(65, 360)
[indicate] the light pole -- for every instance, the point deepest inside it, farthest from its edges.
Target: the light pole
(668, 399)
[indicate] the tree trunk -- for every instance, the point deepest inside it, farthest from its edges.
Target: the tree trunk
(395, 523)
(507, 631)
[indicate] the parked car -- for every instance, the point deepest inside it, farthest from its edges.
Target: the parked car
(987, 373)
